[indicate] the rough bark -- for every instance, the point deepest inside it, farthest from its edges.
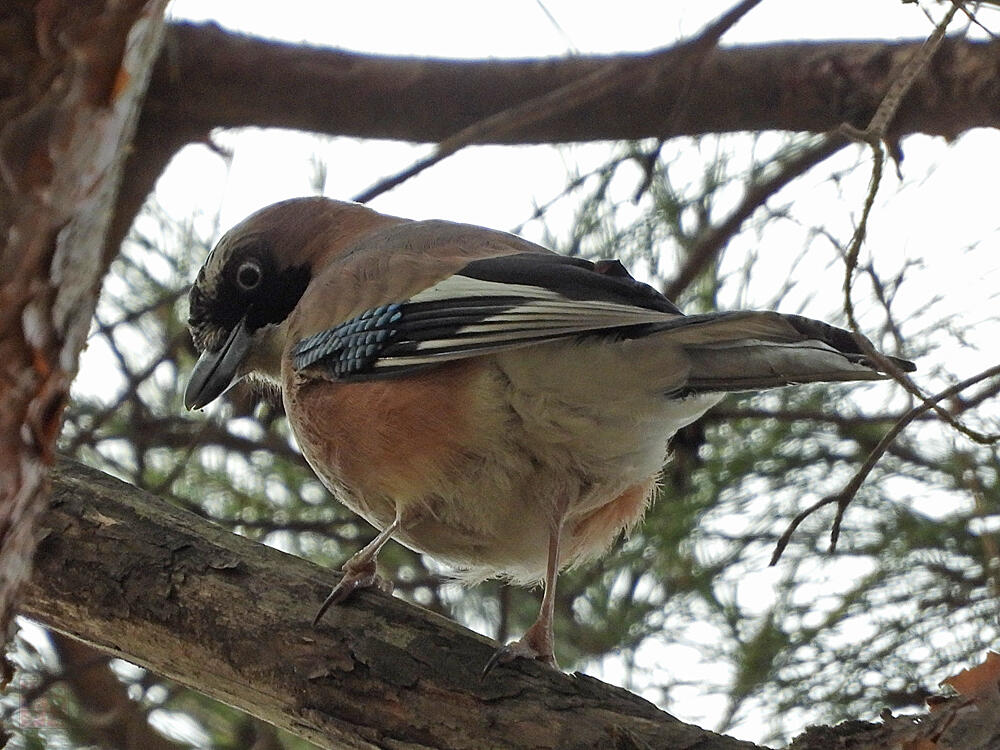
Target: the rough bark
(137, 578)
(71, 82)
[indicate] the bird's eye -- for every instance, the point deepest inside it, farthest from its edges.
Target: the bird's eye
(249, 276)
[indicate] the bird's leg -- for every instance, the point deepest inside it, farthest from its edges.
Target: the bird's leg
(538, 641)
(359, 570)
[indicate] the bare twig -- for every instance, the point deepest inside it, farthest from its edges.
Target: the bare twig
(875, 135)
(975, 21)
(567, 97)
(844, 497)
(711, 241)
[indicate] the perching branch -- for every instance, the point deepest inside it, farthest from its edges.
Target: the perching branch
(137, 578)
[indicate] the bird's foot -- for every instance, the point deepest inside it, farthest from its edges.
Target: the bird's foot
(357, 575)
(536, 643)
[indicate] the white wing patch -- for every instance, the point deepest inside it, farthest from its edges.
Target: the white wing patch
(524, 315)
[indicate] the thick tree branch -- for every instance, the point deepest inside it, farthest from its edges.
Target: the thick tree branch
(137, 578)
(683, 61)
(208, 78)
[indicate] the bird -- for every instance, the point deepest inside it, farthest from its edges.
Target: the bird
(479, 398)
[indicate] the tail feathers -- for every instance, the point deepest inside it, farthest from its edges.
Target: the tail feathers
(745, 351)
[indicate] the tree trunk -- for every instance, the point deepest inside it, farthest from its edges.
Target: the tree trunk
(73, 78)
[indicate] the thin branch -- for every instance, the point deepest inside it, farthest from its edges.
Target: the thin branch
(714, 239)
(570, 96)
(976, 22)
(844, 497)
(874, 135)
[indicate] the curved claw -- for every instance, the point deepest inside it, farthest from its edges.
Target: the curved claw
(355, 577)
(514, 650)
(339, 593)
(492, 663)
(535, 644)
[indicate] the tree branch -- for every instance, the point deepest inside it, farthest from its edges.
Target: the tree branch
(844, 497)
(209, 78)
(682, 62)
(137, 578)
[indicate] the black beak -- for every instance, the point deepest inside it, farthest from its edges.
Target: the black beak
(216, 371)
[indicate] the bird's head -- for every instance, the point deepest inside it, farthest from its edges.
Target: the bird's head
(250, 284)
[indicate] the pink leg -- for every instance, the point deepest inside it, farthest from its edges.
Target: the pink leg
(538, 641)
(359, 571)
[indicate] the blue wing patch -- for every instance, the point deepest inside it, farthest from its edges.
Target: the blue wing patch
(352, 347)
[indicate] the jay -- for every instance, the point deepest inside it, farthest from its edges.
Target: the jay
(497, 406)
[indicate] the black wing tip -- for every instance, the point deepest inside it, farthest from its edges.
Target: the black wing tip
(844, 341)
(903, 364)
